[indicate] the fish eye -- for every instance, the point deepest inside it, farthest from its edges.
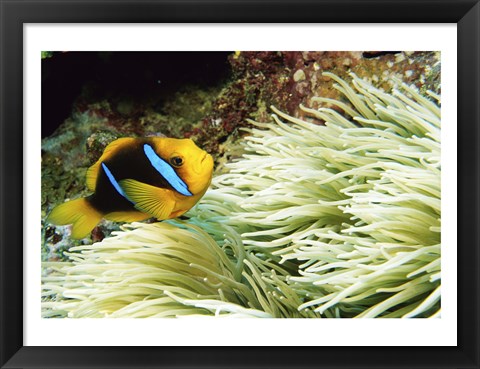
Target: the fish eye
(176, 161)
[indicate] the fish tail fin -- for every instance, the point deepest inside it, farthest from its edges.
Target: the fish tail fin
(80, 213)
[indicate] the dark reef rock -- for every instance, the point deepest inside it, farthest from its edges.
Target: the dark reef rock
(288, 79)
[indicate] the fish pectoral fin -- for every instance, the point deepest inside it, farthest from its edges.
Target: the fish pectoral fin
(158, 202)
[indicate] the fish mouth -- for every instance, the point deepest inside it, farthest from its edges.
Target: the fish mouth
(198, 167)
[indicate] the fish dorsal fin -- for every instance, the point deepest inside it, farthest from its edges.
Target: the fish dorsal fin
(111, 149)
(92, 175)
(158, 202)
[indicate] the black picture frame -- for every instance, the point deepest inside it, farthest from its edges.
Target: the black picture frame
(15, 13)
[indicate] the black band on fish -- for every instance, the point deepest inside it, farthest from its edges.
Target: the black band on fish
(114, 182)
(166, 171)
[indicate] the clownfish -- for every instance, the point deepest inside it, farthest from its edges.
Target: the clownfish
(136, 179)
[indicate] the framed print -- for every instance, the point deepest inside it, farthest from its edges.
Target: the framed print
(225, 184)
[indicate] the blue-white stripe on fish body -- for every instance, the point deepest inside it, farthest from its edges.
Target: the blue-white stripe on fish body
(114, 182)
(166, 171)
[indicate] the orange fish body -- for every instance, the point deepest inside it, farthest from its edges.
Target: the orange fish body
(137, 178)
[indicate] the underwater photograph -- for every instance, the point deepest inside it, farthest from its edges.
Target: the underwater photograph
(242, 184)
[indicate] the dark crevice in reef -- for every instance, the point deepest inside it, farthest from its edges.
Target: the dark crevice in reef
(129, 75)
(377, 54)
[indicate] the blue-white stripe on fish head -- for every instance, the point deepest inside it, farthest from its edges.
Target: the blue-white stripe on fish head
(166, 171)
(114, 182)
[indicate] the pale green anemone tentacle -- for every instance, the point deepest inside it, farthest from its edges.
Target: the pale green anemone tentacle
(334, 220)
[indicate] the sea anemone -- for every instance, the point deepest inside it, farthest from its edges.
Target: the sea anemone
(334, 215)
(162, 270)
